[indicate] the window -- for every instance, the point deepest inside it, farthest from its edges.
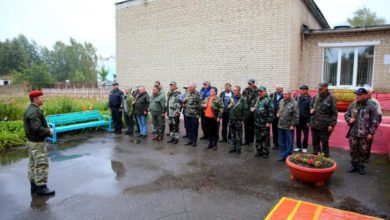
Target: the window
(349, 66)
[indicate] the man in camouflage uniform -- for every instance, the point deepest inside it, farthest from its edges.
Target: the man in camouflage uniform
(236, 117)
(37, 130)
(157, 110)
(362, 117)
(249, 94)
(323, 118)
(288, 115)
(192, 106)
(264, 113)
(173, 109)
(127, 100)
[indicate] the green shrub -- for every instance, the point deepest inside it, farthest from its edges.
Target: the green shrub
(11, 134)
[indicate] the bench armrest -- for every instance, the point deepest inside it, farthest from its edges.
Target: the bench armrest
(107, 116)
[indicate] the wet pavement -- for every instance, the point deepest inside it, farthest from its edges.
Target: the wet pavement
(102, 176)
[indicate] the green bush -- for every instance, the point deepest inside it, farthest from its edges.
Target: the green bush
(11, 134)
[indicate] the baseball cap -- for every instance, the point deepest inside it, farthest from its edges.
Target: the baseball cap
(361, 91)
(323, 84)
(304, 87)
(251, 81)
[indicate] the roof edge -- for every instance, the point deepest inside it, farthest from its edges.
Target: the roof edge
(348, 30)
(315, 10)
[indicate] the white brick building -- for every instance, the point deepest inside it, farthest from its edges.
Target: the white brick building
(271, 41)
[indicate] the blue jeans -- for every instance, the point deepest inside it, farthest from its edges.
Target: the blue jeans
(286, 142)
(142, 124)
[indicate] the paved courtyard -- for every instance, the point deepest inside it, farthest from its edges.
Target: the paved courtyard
(102, 176)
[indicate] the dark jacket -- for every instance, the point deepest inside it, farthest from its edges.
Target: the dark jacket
(236, 112)
(276, 101)
(325, 111)
(304, 108)
(250, 96)
(204, 93)
(141, 104)
(35, 124)
(115, 99)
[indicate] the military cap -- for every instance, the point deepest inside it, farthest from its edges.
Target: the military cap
(262, 88)
(35, 93)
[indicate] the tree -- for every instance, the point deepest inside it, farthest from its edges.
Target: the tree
(37, 76)
(365, 17)
(69, 61)
(103, 73)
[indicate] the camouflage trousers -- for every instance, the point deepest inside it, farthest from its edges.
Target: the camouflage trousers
(359, 150)
(235, 130)
(38, 166)
(263, 142)
(174, 127)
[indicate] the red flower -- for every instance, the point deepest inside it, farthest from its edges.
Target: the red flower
(310, 161)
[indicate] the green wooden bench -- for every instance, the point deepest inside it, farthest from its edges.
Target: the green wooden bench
(76, 121)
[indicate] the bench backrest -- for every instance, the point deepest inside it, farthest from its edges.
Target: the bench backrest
(74, 117)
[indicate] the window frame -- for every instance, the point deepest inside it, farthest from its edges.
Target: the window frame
(339, 46)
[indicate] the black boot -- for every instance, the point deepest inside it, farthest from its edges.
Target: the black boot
(361, 170)
(353, 169)
(44, 191)
(175, 141)
(232, 150)
(171, 141)
(33, 187)
(258, 154)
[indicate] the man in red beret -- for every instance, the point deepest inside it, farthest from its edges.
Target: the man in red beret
(37, 130)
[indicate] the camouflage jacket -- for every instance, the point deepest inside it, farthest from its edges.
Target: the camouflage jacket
(288, 113)
(236, 112)
(174, 103)
(325, 114)
(264, 112)
(157, 104)
(366, 117)
(192, 104)
(216, 106)
(128, 104)
(250, 99)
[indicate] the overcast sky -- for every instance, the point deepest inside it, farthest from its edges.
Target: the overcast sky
(47, 21)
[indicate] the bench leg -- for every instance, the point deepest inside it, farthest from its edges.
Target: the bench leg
(54, 137)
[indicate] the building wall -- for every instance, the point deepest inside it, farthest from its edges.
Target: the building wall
(220, 41)
(302, 15)
(313, 55)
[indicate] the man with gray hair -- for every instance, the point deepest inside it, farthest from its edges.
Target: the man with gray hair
(288, 115)
(276, 97)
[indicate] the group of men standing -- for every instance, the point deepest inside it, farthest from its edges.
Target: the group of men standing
(254, 110)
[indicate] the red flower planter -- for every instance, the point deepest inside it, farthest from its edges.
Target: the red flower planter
(342, 105)
(310, 175)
